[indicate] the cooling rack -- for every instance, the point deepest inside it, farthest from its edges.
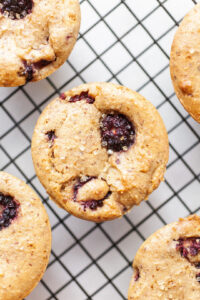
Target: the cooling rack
(126, 42)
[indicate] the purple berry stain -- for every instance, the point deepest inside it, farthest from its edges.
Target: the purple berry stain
(94, 204)
(81, 182)
(91, 204)
(62, 96)
(42, 63)
(188, 246)
(30, 68)
(198, 277)
(28, 72)
(9, 210)
(117, 132)
(197, 265)
(51, 135)
(16, 9)
(83, 96)
(68, 37)
(137, 274)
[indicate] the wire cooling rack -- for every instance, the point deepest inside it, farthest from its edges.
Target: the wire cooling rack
(127, 42)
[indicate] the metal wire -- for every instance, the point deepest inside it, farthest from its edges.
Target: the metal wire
(74, 283)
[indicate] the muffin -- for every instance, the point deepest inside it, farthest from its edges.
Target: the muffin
(25, 238)
(167, 265)
(99, 149)
(36, 37)
(185, 63)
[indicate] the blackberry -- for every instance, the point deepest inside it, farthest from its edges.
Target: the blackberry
(188, 246)
(42, 63)
(30, 68)
(80, 183)
(91, 204)
(117, 132)
(83, 96)
(28, 72)
(16, 9)
(94, 204)
(51, 135)
(9, 211)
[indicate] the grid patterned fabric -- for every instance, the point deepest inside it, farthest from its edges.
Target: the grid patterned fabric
(126, 42)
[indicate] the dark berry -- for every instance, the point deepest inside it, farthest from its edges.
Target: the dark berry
(42, 63)
(193, 251)
(2, 221)
(68, 37)
(6, 223)
(117, 132)
(6, 211)
(9, 210)
(94, 204)
(83, 96)
(5, 217)
(198, 277)
(16, 9)
(80, 183)
(30, 68)
(62, 96)
(51, 135)
(6, 200)
(197, 265)
(11, 204)
(137, 274)
(28, 71)
(188, 246)
(125, 209)
(12, 213)
(91, 204)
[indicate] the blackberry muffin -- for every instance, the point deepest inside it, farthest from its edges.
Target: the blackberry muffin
(185, 62)
(25, 238)
(36, 37)
(167, 265)
(99, 149)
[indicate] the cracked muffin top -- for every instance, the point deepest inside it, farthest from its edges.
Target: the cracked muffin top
(167, 265)
(99, 149)
(25, 238)
(36, 37)
(185, 62)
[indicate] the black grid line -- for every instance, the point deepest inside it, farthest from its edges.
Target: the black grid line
(132, 224)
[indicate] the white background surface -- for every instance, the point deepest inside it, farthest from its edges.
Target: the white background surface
(126, 42)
